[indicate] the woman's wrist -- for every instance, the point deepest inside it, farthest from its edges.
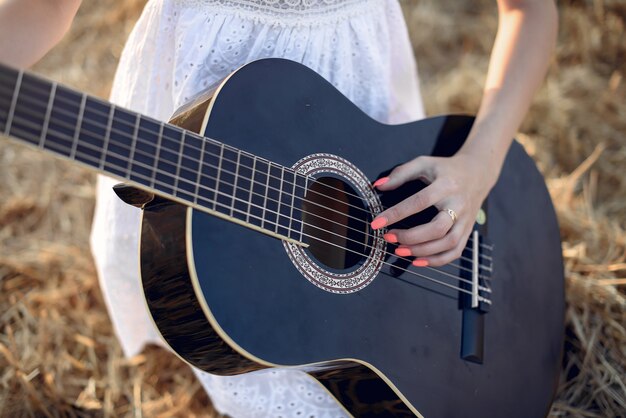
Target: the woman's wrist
(487, 150)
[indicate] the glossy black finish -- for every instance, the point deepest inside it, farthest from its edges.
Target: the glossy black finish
(407, 327)
(473, 335)
(132, 195)
(170, 296)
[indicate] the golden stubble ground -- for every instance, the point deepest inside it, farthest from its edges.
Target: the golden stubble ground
(58, 353)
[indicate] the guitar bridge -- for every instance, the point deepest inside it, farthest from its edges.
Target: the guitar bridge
(477, 301)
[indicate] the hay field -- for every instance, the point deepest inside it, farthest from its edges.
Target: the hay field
(58, 354)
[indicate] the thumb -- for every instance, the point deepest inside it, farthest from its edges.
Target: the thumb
(418, 168)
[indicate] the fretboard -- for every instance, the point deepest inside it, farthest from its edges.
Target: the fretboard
(178, 164)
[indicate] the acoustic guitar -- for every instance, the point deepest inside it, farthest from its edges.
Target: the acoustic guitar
(256, 249)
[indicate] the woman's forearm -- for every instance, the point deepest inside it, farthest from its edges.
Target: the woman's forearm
(458, 185)
(519, 60)
(30, 28)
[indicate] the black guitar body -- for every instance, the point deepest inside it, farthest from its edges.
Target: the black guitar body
(230, 300)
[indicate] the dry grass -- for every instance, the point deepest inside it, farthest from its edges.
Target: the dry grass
(58, 354)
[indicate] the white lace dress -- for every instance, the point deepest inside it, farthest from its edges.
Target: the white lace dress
(178, 48)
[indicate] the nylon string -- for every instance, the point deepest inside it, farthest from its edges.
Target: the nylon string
(88, 157)
(202, 164)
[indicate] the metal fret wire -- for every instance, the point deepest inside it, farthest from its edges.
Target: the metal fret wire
(235, 186)
(201, 163)
(180, 156)
(278, 213)
(279, 203)
(239, 152)
(481, 288)
(15, 94)
(107, 138)
(132, 150)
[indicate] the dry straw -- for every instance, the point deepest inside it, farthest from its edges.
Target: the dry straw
(58, 353)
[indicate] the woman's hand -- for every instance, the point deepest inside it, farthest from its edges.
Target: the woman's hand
(460, 183)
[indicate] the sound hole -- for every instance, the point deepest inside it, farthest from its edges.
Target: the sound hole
(336, 225)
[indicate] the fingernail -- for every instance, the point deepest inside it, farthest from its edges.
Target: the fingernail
(420, 262)
(403, 252)
(391, 238)
(379, 222)
(381, 181)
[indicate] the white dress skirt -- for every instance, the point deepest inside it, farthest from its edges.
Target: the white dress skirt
(180, 47)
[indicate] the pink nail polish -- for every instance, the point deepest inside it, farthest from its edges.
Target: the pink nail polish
(381, 181)
(403, 252)
(379, 222)
(420, 262)
(391, 238)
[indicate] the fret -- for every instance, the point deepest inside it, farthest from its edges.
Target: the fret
(117, 158)
(252, 180)
(89, 149)
(16, 92)
(199, 175)
(128, 145)
(78, 126)
(107, 137)
(272, 198)
(219, 173)
(165, 178)
(157, 155)
(27, 117)
(300, 195)
(282, 221)
(59, 132)
(143, 159)
(259, 188)
(180, 156)
(232, 206)
(208, 181)
(226, 179)
(189, 167)
(46, 120)
(8, 80)
(7, 88)
(287, 203)
(133, 146)
(243, 185)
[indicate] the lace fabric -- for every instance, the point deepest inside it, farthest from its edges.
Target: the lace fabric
(287, 12)
(180, 47)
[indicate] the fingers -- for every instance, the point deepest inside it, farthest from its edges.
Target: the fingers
(437, 228)
(436, 252)
(420, 167)
(424, 168)
(450, 188)
(421, 200)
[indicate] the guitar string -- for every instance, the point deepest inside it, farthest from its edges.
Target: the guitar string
(278, 214)
(174, 128)
(235, 186)
(202, 163)
(139, 128)
(460, 279)
(110, 129)
(200, 138)
(278, 202)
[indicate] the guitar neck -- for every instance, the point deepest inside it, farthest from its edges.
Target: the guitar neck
(170, 161)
